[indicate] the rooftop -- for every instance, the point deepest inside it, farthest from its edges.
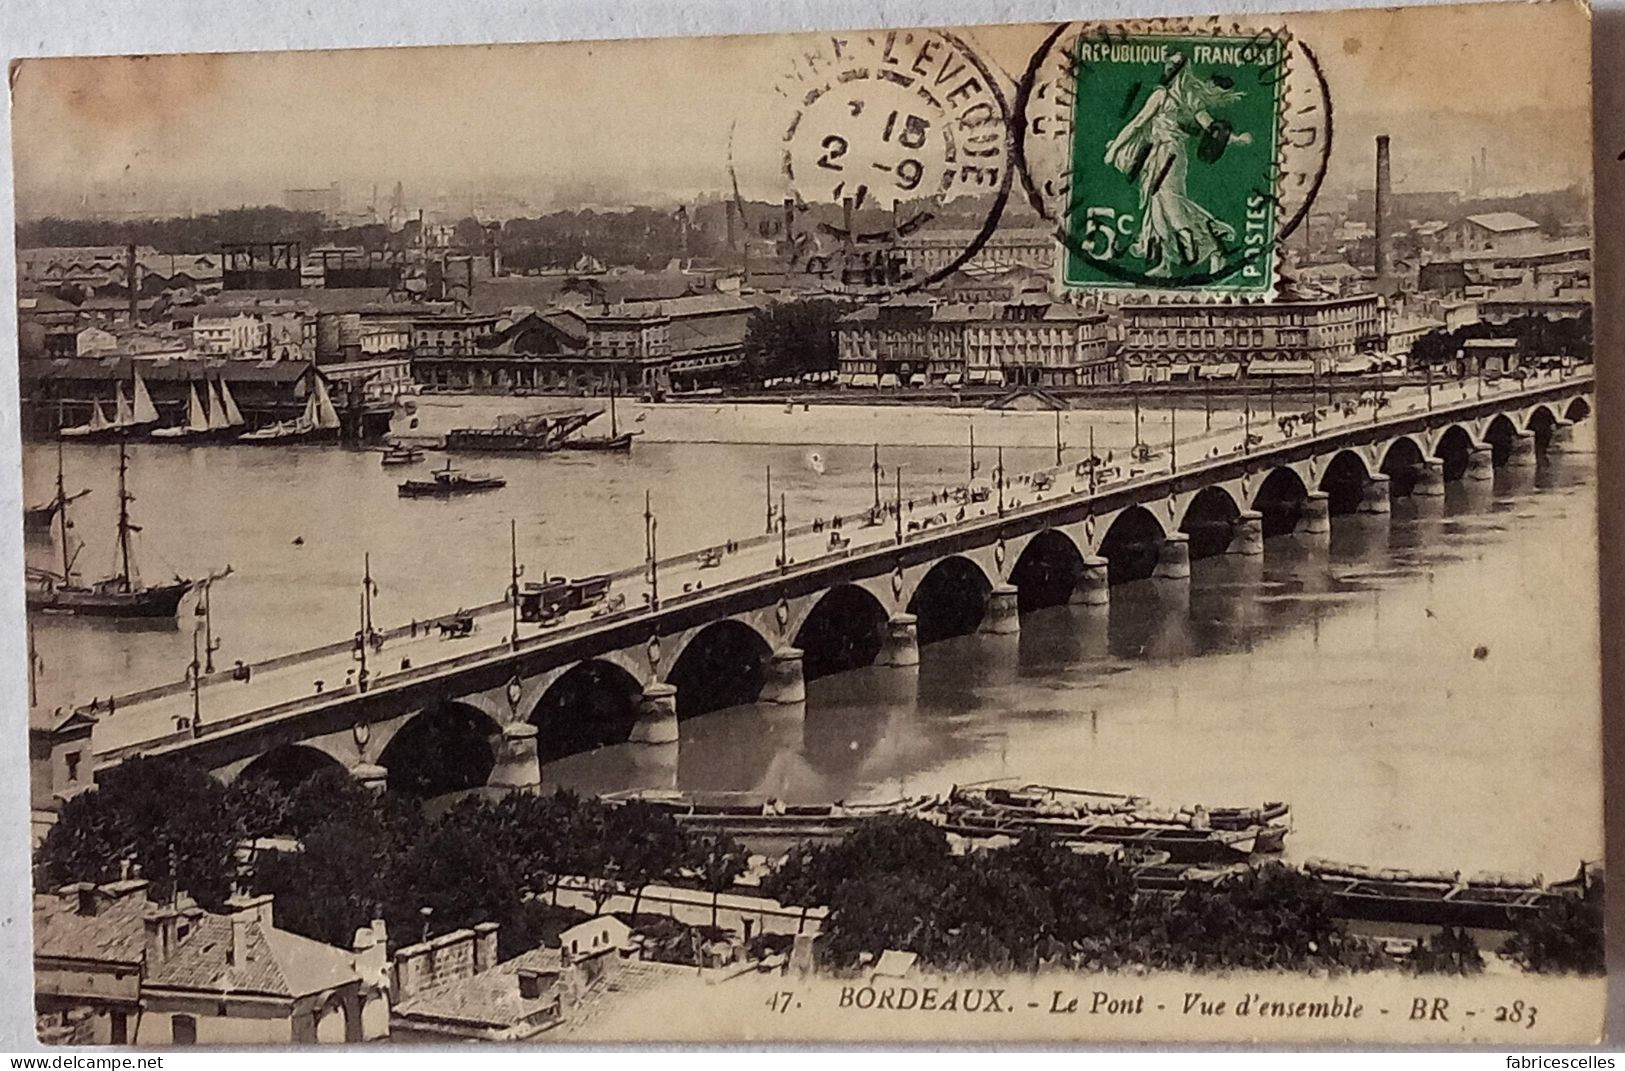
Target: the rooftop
(968, 312)
(278, 963)
(116, 933)
(160, 369)
(1504, 221)
(489, 1000)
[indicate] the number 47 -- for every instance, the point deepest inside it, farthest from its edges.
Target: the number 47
(781, 1001)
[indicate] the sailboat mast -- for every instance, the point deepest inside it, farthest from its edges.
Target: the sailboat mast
(123, 517)
(62, 512)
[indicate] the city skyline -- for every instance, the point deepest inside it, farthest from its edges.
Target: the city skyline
(200, 132)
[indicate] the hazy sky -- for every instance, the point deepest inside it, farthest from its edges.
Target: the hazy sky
(623, 119)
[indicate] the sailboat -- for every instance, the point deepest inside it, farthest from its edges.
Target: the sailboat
(119, 595)
(39, 519)
(130, 418)
(143, 414)
(318, 423)
(234, 416)
(616, 440)
(197, 421)
(99, 426)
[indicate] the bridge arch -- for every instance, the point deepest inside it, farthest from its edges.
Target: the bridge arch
(1499, 434)
(450, 747)
(1210, 521)
(1540, 420)
(1130, 545)
(844, 629)
(721, 665)
(1402, 463)
(950, 599)
(287, 765)
(1455, 449)
(1577, 410)
(1344, 482)
(1047, 571)
(1281, 499)
(593, 704)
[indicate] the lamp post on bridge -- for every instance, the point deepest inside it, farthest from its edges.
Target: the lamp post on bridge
(1314, 395)
(972, 478)
(897, 473)
(193, 675)
(515, 571)
(768, 498)
(205, 611)
(1057, 438)
(1000, 481)
(649, 527)
(364, 635)
(1094, 462)
(784, 536)
(1173, 438)
(875, 468)
(1246, 417)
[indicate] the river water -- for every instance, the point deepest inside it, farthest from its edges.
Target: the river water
(1425, 694)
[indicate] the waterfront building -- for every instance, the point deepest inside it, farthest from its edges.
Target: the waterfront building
(1548, 299)
(95, 342)
(235, 335)
(648, 347)
(915, 341)
(929, 251)
(373, 381)
(62, 392)
(1168, 340)
(112, 966)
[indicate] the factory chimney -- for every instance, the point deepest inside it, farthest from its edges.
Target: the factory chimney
(132, 282)
(1383, 195)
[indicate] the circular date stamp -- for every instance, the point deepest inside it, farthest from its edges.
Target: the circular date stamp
(885, 134)
(1173, 155)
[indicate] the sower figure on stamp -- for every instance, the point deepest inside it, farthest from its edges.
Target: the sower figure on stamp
(1175, 231)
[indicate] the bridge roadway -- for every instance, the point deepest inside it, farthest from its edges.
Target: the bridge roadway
(416, 667)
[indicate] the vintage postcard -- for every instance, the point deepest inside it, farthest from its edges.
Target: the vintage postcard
(1074, 532)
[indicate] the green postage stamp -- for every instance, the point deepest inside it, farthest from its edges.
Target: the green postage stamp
(1174, 163)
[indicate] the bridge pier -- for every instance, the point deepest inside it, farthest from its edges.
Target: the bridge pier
(1094, 586)
(901, 646)
(1522, 455)
(1429, 479)
(1173, 558)
(1481, 463)
(1002, 617)
(517, 767)
(1374, 496)
(1562, 436)
(785, 684)
(1317, 515)
(370, 776)
(657, 715)
(1249, 534)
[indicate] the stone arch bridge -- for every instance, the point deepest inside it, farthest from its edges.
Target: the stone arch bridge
(494, 720)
